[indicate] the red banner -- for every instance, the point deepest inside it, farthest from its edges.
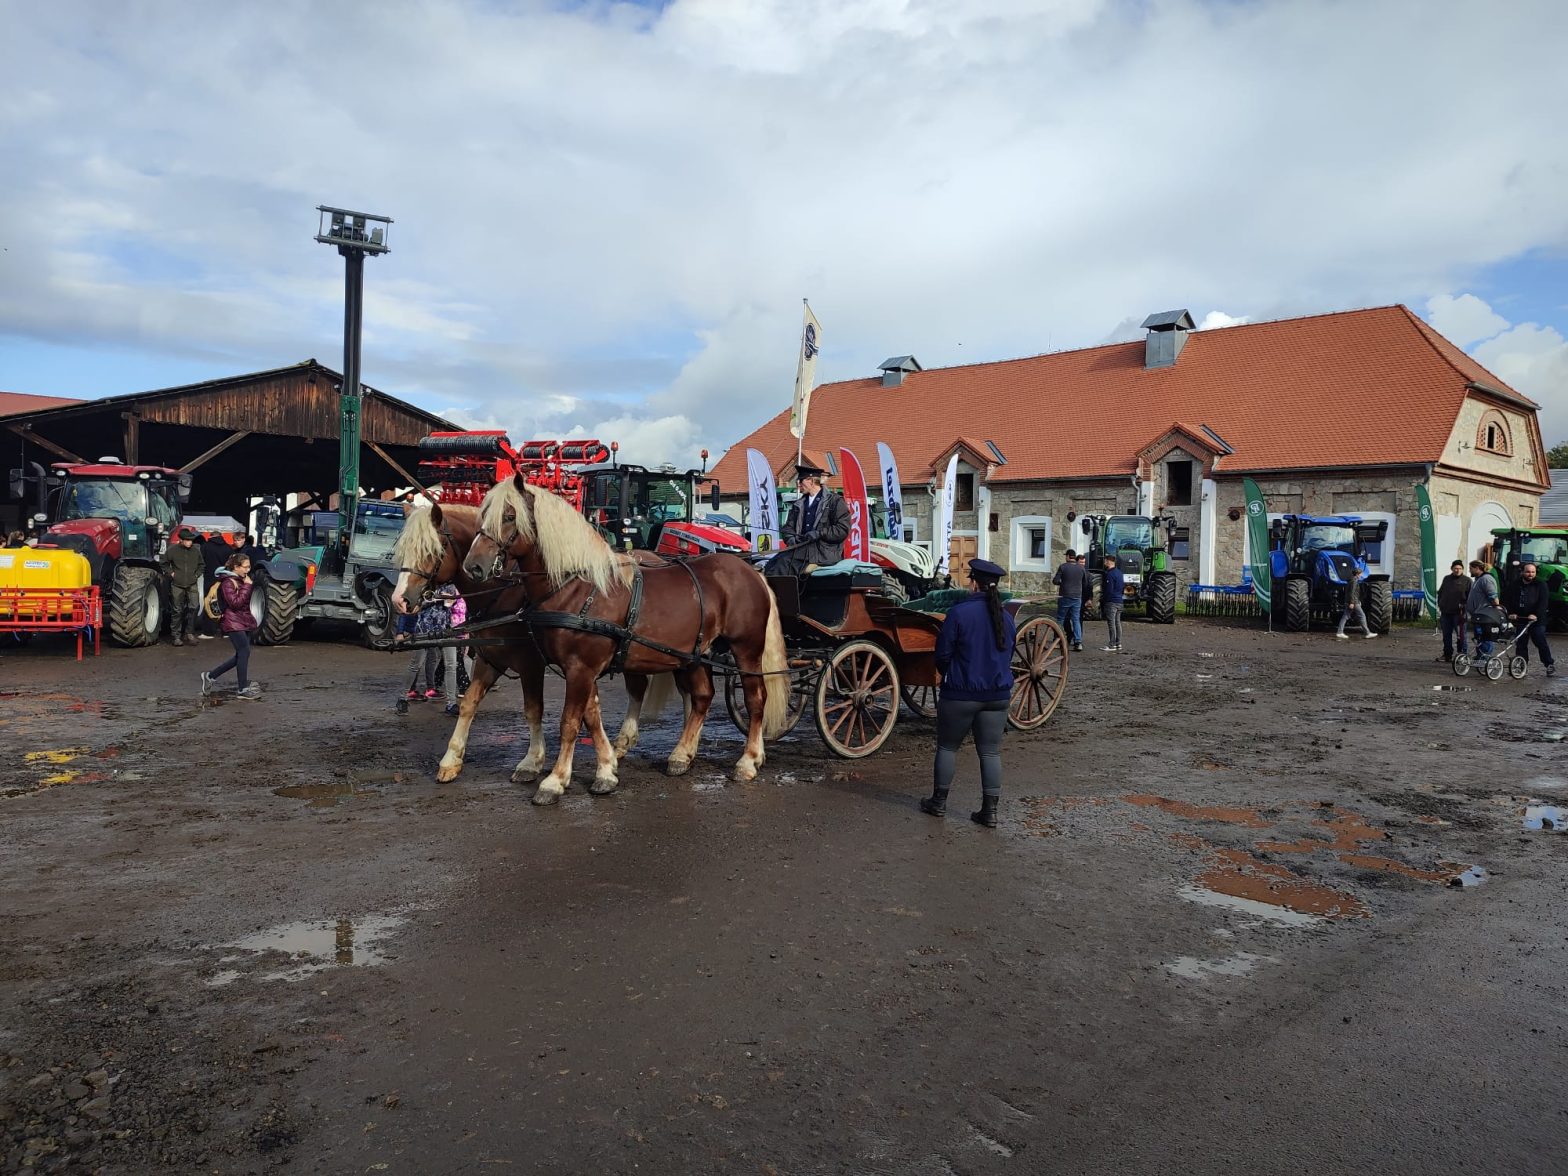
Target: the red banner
(858, 545)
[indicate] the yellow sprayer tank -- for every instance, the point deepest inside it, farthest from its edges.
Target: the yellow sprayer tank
(43, 567)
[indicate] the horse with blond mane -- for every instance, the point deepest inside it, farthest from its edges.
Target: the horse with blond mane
(674, 618)
(430, 553)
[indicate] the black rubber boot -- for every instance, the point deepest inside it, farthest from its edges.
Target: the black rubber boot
(936, 803)
(987, 814)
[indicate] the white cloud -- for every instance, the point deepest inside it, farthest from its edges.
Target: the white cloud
(1216, 319)
(1533, 359)
(1466, 320)
(606, 216)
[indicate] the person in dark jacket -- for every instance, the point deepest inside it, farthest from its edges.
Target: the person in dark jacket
(974, 652)
(1113, 591)
(183, 564)
(1451, 594)
(237, 624)
(816, 528)
(215, 552)
(1072, 583)
(1529, 604)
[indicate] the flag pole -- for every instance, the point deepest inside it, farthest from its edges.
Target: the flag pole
(800, 442)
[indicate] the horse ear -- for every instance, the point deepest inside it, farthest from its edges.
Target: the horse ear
(517, 482)
(435, 513)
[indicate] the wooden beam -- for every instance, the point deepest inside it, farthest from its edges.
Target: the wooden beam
(231, 439)
(387, 457)
(133, 438)
(26, 433)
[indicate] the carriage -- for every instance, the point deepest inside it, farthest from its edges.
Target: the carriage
(854, 655)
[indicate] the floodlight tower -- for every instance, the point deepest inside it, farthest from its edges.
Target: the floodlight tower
(357, 235)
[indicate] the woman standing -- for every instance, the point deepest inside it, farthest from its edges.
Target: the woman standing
(237, 625)
(974, 651)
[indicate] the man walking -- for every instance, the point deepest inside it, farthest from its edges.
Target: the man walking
(183, 564)
(1529, 605)
(1451, 610)
(1483, 594)
(1071, 580)
(1112, 593)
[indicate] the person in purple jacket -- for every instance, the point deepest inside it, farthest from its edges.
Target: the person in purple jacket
(237, 624)
(974, 651)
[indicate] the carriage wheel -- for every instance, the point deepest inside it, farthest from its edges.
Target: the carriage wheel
(1039, 673)
(921, 699)
(735, 701)
(857, 699)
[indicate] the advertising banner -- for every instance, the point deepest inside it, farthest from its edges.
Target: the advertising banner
(764, 502)
(942, 523)
(858, 545)
(1428, 549)
(805, 373)
(1258, 544)
(892, 492)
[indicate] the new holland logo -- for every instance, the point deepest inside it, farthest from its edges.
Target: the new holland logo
(1254, 508)
(809, 344)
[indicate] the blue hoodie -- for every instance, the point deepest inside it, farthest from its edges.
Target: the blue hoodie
(973, 668)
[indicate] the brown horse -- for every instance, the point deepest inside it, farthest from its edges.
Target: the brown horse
(566, 568)
(430, 553)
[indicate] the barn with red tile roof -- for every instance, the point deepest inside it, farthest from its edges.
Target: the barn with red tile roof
(1333, 413)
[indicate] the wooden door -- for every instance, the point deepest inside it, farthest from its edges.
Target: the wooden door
(961, 550)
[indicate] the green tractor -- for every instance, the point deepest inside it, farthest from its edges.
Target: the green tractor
(1548, 551)
(1141, 546)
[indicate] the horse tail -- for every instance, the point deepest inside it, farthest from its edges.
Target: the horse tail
(661, 688)
(775, 664)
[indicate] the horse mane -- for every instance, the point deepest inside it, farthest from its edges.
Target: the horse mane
(566, 541)
(420, 542)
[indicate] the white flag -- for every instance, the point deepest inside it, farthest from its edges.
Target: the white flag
(942, 530)
(805, 373)
(764, 502)
(892, 492)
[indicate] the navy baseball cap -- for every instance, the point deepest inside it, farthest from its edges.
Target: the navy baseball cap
(984, 567)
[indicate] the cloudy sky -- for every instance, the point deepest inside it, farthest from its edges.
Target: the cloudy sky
(607, 213)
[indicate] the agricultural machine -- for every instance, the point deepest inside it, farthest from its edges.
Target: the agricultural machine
(638, 508)
(1548, 551)
(1141, 546)
(1311, 563)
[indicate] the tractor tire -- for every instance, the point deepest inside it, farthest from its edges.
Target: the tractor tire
(1162, 598)
(1298, 606)
(380, 625)
(274, 604)
(1377, 598)
(893, 588)
(1091, 600)
(135, 606)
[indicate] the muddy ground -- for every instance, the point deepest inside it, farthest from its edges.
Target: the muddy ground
(1214, 933)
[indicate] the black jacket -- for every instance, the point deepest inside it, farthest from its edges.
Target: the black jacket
(1528, 599)
(1452, 592)
(825, 543)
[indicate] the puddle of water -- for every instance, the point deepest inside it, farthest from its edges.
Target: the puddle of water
(1474, 876)
(1195, 812)
(1389, 866)
(315, 946)
(324, 795)
(1238, 874)
(1192, 968)
(1266, 912)
(1550, 817)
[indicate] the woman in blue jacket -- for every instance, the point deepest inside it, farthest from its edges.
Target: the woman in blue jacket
(974, 651)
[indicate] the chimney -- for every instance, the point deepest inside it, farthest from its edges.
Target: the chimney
(893, 370)
(1167, 336)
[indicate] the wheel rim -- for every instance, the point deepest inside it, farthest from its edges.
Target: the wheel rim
(857, 700)
(1039, 673)
(1517, 667)
(152, 610)
(922, 700)
(258, 605)
(740, 714)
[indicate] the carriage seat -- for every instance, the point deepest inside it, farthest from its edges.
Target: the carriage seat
(853, 572)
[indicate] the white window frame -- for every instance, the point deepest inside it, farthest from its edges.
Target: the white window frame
(1018, 559)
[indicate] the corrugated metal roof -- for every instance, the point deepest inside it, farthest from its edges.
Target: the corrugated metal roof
(1554, 503)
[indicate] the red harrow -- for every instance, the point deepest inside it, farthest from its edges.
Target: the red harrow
(465, 465)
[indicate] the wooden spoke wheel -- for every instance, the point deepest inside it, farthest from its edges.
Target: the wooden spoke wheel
(735, 700)
(857, 699)
(1039, 673)
(921, 700)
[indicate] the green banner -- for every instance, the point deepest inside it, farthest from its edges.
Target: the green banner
(1428, 549)
(1258, 543)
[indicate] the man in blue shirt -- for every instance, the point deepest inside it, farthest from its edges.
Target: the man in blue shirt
(1113, 590)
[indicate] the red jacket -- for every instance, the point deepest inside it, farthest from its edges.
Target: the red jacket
(234, 595)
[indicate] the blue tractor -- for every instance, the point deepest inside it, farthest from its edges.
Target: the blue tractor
(1312, 560)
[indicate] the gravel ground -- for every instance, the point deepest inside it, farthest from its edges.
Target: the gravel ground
(1218, 930)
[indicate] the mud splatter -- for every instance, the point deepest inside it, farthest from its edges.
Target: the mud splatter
(1194, 812)
(1241, 875)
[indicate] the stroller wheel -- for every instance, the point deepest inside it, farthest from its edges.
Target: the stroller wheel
(1517, 667)
(1461, 664)
(1494, 667)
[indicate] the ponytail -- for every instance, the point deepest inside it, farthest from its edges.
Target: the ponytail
(993, 605)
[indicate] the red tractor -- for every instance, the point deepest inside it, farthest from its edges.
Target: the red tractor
(120, 518)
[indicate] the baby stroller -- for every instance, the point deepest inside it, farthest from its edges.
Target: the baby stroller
(1491, 625)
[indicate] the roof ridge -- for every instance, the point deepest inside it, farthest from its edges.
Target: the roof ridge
(1436, 340)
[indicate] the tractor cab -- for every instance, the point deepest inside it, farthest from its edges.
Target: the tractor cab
(1141, 546)
(121, 511)
(1548, 550)
(636, 508)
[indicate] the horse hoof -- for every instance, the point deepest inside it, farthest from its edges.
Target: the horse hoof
(524, 775)
(445, 774)
(544, 797)
(744, 775)
(677, 767)
(603, 787)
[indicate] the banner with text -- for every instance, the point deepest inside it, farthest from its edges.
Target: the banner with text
(764, 502)
(1258, 543)
(1428, 549)
(892, 492)
(858, 544)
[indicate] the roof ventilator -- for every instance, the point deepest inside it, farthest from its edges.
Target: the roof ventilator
(1167, 336)
(893, 370)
